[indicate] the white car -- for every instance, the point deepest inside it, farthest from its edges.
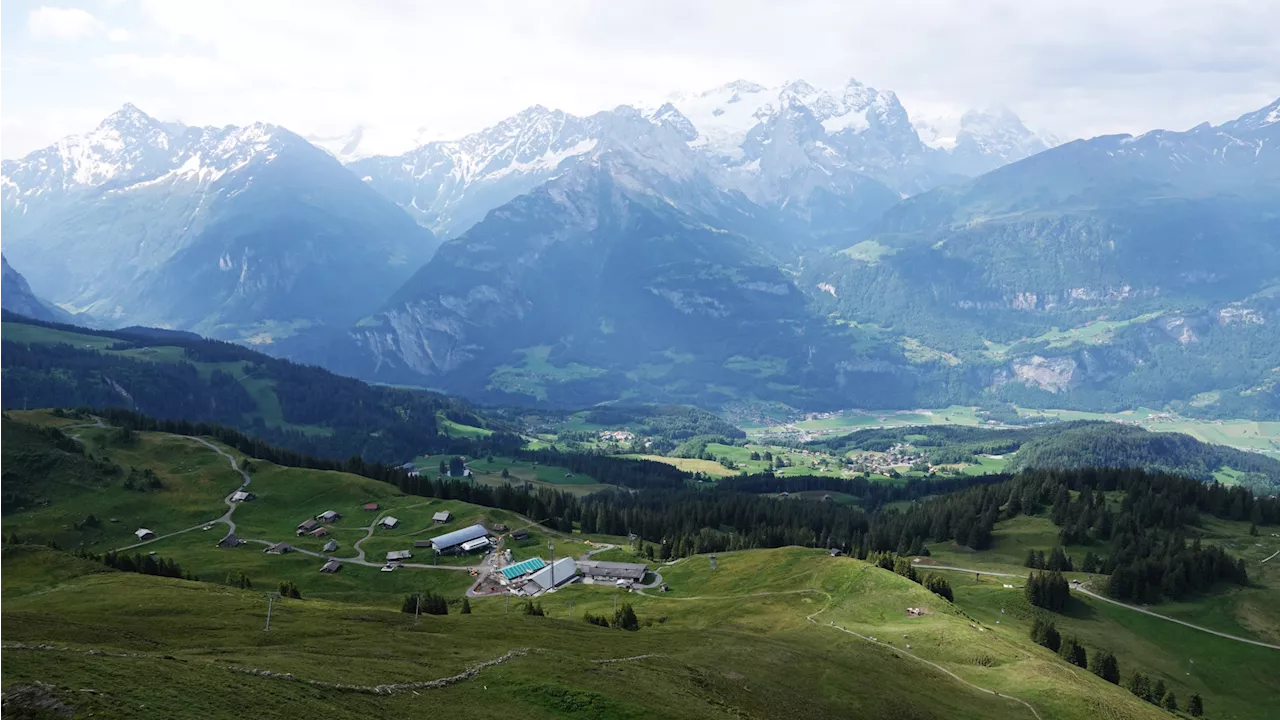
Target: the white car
(389, 567)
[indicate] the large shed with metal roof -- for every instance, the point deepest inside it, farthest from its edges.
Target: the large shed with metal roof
(452, 542)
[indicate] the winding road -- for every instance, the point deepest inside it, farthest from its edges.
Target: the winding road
(1103, 598)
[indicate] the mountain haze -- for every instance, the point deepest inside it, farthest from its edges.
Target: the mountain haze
(235, 232)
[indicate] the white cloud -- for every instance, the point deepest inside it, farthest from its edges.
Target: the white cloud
(53, 23)
(119, 35)
(442, 69)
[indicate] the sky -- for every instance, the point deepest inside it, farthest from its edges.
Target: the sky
(416, 71)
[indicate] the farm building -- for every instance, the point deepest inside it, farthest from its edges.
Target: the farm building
(520, 535)
(242, 496)
(552, 576)
(230, 541)
(278, 549)
(371, 506)
(511, 572)
(443, 516)
(598, 570)
(452, 542)
(307, 526)
(320, 532)
(422, 543)
(332, 566)
(388, 522)
(328, 516)
(499, 528)
(474, 545)
(331, 546)
(143, 534)
(399, 555)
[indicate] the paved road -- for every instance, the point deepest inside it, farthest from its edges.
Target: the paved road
(231, 506)
(1103, 598)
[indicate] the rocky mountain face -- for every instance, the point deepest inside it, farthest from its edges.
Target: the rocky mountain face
(824, 162)
(235, 232)
(1162, 245)
(631, 267)
(16, 296)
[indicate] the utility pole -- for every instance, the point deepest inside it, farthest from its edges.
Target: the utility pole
(271, 599)
(551, 547)
(508, 612)
(570, 608)
(417, 609)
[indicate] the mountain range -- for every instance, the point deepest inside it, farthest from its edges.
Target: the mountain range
(791, 244)
(236, 232)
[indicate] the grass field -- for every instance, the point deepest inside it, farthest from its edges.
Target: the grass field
(536, 371)
(717, 645)
(712, 648)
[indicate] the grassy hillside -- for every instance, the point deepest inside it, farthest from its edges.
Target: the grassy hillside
(718, 656)
(1072, 444)
(1236, 679)
(176, 376)
(715, 645)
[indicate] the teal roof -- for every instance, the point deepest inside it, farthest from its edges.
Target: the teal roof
(511, 572)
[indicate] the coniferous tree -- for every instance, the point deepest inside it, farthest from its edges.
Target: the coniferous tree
(1104, 665)
(625, 618)
(1043, 632)
(1195, 706)
(1073, 652)
(466, 606)
(1170, 702)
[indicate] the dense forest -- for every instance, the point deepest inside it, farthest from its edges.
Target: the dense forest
(1075, 444)
(205, 381)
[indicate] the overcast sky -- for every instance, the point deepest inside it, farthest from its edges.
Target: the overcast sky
(1077, 68)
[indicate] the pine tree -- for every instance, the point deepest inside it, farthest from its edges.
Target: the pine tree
(1044, 632)
(1170, 702)
(1140, 686)
(1195, 706)
(466, 607)
(625, 618)
(1104, 665)
(1073, 652)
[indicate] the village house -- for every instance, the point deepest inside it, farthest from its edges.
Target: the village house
(328, 516)
(443, 516)
(331, 546)
(399, 555)
(388, 523)
(371, 506)
(320, 532)
(143, 534)
(242, 496)
(332, 566)
(230, 541)
(307, 526)
(278, 549)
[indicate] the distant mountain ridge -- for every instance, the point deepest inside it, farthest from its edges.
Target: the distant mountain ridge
(234, 231)
(18, 297)
(796, 148)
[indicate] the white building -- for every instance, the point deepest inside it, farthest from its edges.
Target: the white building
(552, 576)
(388, 522)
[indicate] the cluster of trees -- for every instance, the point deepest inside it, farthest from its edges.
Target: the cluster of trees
(903, 566)
(138, 563)
(142, 480)
(1048, 590)
(239, 580)
(289, 589)
(427, 602)
(1057, 560)
(533, 609)
(667, 426)
(1105, 665)
(1149, 556)
(624, 618)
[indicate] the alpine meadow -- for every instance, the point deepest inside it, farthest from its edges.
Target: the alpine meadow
(498, 360)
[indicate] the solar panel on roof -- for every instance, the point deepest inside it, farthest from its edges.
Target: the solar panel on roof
(512, 572)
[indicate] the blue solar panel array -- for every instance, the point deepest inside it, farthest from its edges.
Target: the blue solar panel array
(511, 572)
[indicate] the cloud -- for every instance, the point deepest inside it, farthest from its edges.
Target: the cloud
(442, 69)
(53, 23)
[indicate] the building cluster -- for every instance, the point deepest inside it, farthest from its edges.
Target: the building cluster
(618, 436)
(897, 456)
